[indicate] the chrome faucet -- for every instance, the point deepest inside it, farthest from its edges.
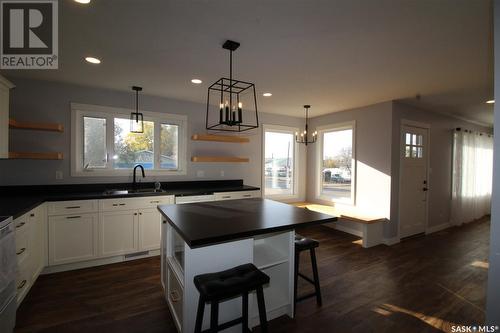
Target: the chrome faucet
(134, 183)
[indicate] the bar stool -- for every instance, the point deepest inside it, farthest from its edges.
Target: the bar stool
(237, 281)
(304, 244)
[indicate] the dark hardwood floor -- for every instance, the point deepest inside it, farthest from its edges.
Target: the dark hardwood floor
(424, 284)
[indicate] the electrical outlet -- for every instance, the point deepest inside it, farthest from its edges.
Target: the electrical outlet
(59, 175)
(222, 173)
(200, 173)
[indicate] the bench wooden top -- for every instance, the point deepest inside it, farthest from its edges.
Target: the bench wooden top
(342, 213)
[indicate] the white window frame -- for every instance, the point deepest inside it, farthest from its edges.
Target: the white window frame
(78, 111)
(319, 161)
(296, 159)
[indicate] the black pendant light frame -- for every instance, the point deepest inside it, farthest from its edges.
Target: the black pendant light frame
(230, 111)
(136, 116)
(304, 136)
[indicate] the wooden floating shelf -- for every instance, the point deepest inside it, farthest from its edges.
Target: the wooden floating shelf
(26, 125)
(35, 156)
(211, 159)
(220, 138)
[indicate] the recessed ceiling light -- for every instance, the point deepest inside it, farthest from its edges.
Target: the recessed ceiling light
(491, 101)
(83, 1)
(93, 60)
(267, 94)
(196, 81)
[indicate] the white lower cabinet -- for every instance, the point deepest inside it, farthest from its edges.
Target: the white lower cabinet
(149, 229)
(118, 232)
(31, 242)
(72, 238)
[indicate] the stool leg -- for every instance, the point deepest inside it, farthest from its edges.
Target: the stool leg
(214, 316)
(244, 313)
(296, 278)
(199, 315)
(262, 309)
(316, 277)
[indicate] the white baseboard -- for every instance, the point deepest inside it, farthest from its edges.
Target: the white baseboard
(95, 262)
(391, 241)
(437, 228)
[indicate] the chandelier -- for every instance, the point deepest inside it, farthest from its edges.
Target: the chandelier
(231, 103)
(304, 136)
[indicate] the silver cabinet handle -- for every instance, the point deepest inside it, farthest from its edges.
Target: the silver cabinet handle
(21, 251)
(247, 195)
(20, 225)
(73, 217)
(73, 207)
(226, 197)
(21, 285)
(174, 296)
(155, 201)
(32, 215)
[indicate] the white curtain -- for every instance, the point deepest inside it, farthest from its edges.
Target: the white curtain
(472, 176)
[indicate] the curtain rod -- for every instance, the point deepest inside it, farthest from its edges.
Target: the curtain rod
(458, 129)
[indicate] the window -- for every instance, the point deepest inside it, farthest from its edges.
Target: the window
(414, 145)
(336, 163)
(102, 143)
(280, 166)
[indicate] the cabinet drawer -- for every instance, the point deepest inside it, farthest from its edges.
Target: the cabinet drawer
(22, 283)
(175, 297)
(72, 207)
(22, 244)
(152, 202)
(21, 224)
(236, 195)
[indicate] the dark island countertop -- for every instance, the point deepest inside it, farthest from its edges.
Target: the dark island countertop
(18, 200)
(208, 223)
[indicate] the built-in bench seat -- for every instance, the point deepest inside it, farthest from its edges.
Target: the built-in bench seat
(372, 227)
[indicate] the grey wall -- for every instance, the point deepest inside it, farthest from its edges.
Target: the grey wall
(493, 295)
(43, 101)
(373, 157)
(441, 147)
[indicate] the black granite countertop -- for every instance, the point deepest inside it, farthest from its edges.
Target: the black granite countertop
(208, 223)
(18, 200)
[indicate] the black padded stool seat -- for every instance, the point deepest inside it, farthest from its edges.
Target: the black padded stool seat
(230, 282)
(302, 243)
(237, 281)
(307, 244)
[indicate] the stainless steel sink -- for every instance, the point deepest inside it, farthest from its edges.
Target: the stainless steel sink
(132, 191)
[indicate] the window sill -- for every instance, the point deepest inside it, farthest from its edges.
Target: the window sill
(330, 200)
(125, 173)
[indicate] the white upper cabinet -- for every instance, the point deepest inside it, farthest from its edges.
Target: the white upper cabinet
(5, 87)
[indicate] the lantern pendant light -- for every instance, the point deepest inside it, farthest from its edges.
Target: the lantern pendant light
(304, 136)
(136, 118)
(235, 107)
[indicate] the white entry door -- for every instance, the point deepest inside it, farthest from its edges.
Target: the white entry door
(413, 188)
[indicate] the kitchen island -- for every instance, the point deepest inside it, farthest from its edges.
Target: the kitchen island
(213, 236)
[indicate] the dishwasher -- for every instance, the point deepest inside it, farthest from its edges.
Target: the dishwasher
(8, 267)
(194, 198)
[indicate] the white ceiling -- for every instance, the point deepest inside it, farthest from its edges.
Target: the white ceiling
(332, 54)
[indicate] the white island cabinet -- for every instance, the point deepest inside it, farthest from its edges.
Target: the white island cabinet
(209, 237)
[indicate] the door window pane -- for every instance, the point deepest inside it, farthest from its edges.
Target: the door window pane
(133, 148)
(337, 165)
(279, 162)
(94, 143)
(169, 136)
